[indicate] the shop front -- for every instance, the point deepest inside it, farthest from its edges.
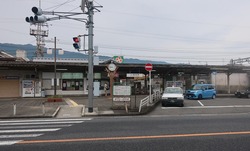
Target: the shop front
(67, 83)
(9, 86)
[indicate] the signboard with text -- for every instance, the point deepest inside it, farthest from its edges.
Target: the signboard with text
(121, 90)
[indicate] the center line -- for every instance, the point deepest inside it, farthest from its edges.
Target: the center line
(133, 137)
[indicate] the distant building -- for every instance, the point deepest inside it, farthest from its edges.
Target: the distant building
(20, 77)
(22, 54)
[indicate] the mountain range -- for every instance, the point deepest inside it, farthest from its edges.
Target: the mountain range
(31, 49)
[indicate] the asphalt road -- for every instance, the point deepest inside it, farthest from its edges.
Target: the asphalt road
(208, 106)
(183, 133)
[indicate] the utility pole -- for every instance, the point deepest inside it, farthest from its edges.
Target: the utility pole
(40, 18)
(90, 51)
(55, 78)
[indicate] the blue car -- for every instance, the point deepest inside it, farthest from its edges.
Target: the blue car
(201, 91)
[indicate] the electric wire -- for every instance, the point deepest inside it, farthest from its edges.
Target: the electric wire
(59, 5)
(171, 19)
(160, 36)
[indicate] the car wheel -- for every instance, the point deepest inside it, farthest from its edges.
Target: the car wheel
(199, 97)
(213, 97)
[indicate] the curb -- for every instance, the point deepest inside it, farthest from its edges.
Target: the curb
(57, 110)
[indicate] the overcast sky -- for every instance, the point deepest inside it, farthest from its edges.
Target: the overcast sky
(175, 31)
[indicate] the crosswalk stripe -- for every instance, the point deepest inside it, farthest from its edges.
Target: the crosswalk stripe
(34, 126)
(29, 130)
(46, 120)
(9, 142)
(20, 129)
(20, 136)
(38, 123)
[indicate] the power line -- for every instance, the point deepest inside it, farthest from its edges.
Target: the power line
(172, 19)
(59, 5)
(122, 32)
(158, 36)
(176, 50)
(199, 52)
(179, 59)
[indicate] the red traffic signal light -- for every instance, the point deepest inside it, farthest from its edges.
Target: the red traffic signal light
(76, 39)
(76, 43)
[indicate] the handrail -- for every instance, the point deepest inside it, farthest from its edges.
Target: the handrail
(143, 102)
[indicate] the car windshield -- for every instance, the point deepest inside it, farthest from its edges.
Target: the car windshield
(196, 87)
(173, 90)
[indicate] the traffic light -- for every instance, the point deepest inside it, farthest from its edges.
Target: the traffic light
(38, 18)
(76, 43)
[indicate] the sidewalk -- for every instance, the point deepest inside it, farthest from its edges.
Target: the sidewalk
(71, 106)
(28, 107)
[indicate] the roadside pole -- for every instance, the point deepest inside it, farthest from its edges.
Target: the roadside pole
(90, 59)
(55, 78)
(149, 68)
(150, 88)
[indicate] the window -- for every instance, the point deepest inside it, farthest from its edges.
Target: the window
(72, 84)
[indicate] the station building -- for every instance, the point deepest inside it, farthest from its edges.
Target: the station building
(20, 77)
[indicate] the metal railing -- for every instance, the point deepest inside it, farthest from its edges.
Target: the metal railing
(145, 101)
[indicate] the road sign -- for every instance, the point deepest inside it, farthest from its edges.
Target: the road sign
(148, 66)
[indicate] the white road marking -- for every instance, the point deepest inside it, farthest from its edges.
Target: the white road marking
(203, 107)
(39, 123)
(16, 129)
(9, 142)
(46, 120)
(20, 136)
(200, 103)
(229, 106)
(29, 130)
(35, 126)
